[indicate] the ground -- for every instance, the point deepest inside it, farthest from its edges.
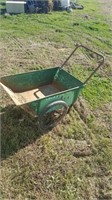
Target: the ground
(72, 161)
(106, 8)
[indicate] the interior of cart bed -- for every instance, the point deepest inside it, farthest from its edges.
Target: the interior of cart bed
(31, 86)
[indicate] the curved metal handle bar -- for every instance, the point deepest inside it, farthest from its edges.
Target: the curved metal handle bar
(78, 46)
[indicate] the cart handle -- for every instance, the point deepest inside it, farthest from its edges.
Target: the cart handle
(99, 65)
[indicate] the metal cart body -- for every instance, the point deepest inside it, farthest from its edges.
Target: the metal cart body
(45, 91)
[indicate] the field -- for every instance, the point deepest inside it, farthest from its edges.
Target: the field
(73, 161)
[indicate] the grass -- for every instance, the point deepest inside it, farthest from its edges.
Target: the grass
(59, 26)
(73, 161)
(101, 86)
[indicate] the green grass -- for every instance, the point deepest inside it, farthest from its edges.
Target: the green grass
(73, 161)
(60, 27)
(98, 89)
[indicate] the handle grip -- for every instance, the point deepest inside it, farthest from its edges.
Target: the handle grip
(99, 65)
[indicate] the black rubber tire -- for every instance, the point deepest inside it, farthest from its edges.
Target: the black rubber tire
(42, 123)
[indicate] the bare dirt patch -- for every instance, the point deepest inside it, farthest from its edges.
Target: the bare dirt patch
(23, 55)
(106, 7)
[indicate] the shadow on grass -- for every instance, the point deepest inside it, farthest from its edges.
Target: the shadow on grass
(18, 130)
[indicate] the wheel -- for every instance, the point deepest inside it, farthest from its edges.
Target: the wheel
(49, 119)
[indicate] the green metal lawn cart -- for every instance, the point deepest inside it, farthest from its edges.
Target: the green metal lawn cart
(48, 93)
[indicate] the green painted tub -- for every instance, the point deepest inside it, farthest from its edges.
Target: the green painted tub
(48, 93)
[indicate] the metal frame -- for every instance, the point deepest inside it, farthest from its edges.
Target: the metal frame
(99, 65)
